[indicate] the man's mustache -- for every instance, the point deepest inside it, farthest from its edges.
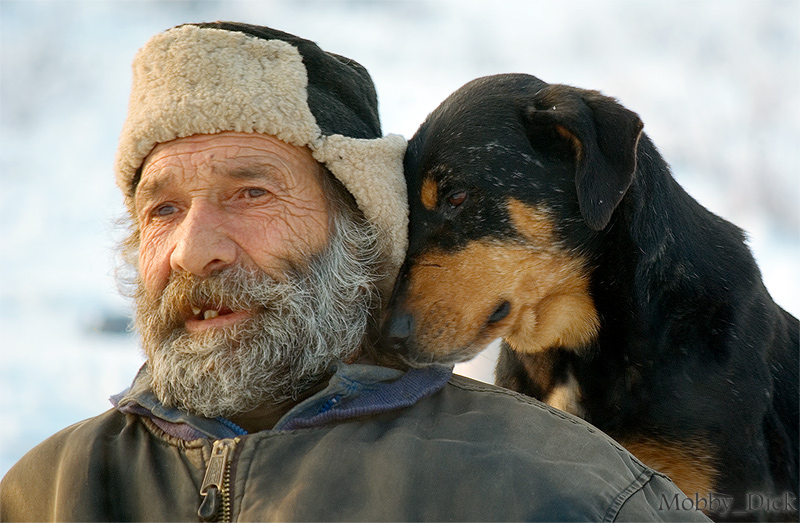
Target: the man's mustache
(226, 290)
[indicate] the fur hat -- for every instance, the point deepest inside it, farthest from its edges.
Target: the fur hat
(223, 76)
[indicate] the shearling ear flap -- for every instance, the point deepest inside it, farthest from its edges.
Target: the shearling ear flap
(604, 136)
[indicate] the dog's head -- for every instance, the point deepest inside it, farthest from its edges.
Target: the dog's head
(508, 179)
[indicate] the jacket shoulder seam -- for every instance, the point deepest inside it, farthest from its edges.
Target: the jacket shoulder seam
(618, 502)
(475, 386)
(470, 385)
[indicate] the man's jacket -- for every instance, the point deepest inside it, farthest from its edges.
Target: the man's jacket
(377, 444)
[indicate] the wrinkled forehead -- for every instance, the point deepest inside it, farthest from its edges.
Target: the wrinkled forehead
(230, 155)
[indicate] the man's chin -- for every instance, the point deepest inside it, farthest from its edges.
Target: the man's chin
(221, 372)
(215, 397)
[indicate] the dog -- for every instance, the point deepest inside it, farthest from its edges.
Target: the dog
(541, 214)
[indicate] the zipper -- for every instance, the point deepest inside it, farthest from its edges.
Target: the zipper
(216, 487)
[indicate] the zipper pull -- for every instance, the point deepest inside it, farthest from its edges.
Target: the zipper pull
(209, 508)
(213, 485)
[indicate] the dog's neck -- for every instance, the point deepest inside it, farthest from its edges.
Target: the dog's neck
(661, 247)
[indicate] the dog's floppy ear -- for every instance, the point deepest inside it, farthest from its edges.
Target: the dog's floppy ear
(604, 136)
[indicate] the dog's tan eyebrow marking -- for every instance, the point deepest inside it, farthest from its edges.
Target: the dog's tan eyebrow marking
(429, 194)
(534, 224)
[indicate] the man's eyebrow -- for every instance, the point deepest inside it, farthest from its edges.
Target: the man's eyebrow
(252, 172)
(149, 188)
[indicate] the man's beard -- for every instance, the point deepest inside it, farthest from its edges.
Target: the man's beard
(301, 324)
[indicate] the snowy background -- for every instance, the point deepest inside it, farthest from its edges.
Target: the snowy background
(716, 83)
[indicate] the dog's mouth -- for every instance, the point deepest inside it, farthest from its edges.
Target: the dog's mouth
(441, 335)
(419, 359)
(415, 345)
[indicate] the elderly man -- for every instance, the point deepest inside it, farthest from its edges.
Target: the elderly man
(268, 223)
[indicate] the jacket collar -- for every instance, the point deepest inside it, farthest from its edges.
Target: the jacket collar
(354, 390)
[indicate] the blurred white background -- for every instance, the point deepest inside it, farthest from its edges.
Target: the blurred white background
(715, 81)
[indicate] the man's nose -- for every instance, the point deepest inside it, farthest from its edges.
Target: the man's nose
(202, 244)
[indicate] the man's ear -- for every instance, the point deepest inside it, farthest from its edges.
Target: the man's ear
(604, 136)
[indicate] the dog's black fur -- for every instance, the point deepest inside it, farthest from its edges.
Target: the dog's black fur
(660, 332)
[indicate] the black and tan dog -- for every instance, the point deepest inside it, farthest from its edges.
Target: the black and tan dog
(541, 214)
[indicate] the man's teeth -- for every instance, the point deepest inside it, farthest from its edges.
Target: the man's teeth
(206, 314)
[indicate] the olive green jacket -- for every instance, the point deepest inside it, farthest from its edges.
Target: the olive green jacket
(457, 451)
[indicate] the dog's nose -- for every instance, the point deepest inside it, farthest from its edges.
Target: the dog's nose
(401, 326)
(398, 331)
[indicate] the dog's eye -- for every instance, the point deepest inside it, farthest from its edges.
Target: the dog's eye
(457, 198)
(500, 313)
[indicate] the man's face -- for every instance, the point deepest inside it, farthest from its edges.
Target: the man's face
(248, 292)
(208, 202)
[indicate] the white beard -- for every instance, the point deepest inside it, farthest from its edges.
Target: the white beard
(316, 316)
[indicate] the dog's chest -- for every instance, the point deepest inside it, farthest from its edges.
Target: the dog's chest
(567, 396)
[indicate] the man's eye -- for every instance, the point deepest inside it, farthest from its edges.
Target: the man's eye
(164, 210)
(255, 192)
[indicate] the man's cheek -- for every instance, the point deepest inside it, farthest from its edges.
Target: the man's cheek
(292, 230)
(154, 267)
(270, 248)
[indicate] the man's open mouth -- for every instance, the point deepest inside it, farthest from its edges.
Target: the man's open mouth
(208, 312)
(213, 317)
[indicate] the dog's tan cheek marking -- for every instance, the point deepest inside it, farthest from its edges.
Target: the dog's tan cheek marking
(690, 464)
(565, 315)
(429, 194)
(566, 318)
